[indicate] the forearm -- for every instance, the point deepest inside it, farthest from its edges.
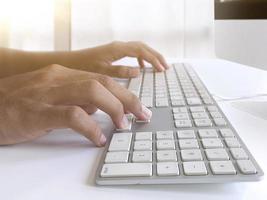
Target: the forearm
(15, 61)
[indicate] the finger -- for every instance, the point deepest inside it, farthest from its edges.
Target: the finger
(136, 50)
(119, 71)
(88, 92)
(74, 117)
(141, 62)
(90, 109)
(158, 55)
(130, 101)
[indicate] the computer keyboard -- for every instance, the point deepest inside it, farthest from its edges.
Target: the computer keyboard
(187, 140)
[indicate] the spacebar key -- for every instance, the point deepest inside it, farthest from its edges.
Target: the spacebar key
(126, 169)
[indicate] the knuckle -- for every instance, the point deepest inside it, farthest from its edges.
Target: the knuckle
(106, 80)
(90, 108)
(121, 72)
(54, 67)
(74, 113)
(50, 72)
(117, 111)
(140, 50)
(136, 46)
(92, 85)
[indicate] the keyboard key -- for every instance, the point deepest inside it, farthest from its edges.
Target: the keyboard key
(165, 144)
(162, 102)
(207, 101)
(207, 133)
(212, 143)
(180, 116)
(142, 156)
(216, 154)
(219, 121)
(167, 169)
(216, 114)
(178, 103)
(142, 121)
(193, 101)
(166, 155)
(143, 145)
(188, 144)
(200, 115)
(246, 167)
(227, 133)
(176, 97)
(179, 110)
(222, 167)
(163, 135)
(126, 169)
(120, 142)
(197, 109)
(147, 101)
(212, 108)
(191, 95)
(183, 123)
(135, 85)
(117, 157)
(195, 168)
(186, 134)
(143, 136)
(203, 122)
(191, 155)
(239, 153)
(232, 142)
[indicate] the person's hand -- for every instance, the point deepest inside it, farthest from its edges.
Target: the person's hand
(100, 59)
(53, 97)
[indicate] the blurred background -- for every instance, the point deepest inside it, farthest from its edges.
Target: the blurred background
(230, 29)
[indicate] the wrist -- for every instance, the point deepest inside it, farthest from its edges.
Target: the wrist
(79, 59)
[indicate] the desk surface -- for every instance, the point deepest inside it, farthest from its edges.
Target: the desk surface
(62, 165)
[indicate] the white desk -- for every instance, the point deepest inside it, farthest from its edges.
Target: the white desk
(62, 165)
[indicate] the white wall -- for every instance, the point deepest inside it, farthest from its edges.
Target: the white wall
(243, 41)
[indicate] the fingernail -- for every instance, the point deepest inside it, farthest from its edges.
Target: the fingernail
(161, 69)
(103, 140)
(147, 113)
(124, 122)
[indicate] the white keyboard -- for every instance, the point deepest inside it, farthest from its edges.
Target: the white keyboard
(187, 140)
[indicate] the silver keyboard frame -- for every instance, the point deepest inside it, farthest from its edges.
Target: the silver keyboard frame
(164, 114)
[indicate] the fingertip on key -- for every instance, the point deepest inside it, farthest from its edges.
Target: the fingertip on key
(103, 140)
(147, 113)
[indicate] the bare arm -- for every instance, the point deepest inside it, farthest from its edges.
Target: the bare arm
(14, 61)
(98, 59)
